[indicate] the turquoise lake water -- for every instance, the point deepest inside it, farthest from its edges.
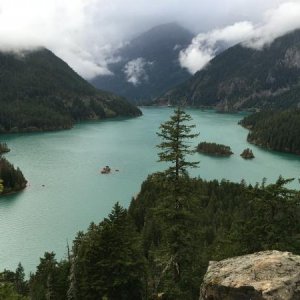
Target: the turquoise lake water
(67, 163)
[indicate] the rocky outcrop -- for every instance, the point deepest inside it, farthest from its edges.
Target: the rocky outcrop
(268, 275)
(247, 154)
(292, 58)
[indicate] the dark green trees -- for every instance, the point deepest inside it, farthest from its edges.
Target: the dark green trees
(174, 146)
(107, 261)
(3, 148)
(214, 149)
(50, 282)
(276, 130)
(13, 285)
(11, 179)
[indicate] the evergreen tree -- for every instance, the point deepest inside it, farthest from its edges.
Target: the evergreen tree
(107, 261)
(20, 283)
(50, 280)
(175, 148)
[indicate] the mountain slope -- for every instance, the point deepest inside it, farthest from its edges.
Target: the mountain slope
(276, 130)
(149, 64)
(241, 78)
(39, 91)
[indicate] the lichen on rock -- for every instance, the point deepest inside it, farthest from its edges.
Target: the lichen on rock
(268, 275)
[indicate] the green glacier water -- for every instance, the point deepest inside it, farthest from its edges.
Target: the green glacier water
(66, 190)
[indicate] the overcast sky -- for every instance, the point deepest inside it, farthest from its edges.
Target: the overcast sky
(85, 32)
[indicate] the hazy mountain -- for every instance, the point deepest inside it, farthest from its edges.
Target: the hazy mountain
(39, 91)
(148, 65)
(241, 77)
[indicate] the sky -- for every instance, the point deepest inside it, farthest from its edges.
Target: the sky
(85, 33)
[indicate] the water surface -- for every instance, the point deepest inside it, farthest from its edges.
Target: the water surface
(67, 163)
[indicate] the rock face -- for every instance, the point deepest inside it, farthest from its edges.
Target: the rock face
(268, 275)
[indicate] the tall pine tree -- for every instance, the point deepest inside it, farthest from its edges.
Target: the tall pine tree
(175, 134)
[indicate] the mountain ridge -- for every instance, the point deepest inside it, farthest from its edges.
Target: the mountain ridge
(149, 64)
(243, 78)
(39, 91)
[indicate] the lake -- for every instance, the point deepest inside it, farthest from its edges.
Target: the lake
(66, 190)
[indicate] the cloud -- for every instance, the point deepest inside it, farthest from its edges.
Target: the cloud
(86, 33)
(205, 46)
(275, 22)
(53, 24)
(135, 70)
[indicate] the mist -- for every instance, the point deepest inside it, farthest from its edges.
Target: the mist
(87, 33)
(275, 22)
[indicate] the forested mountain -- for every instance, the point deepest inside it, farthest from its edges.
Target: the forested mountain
(276, 130)
(149, 64)
(242, 78)
(39, 91)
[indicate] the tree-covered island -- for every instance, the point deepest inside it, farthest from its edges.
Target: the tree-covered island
(214, 149)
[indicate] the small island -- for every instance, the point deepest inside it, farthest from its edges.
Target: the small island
(247, 154)
(3, 148)
(214, 149)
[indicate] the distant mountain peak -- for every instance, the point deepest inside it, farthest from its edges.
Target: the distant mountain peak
(149, 63)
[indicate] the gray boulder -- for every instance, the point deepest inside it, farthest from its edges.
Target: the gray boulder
(267, 275)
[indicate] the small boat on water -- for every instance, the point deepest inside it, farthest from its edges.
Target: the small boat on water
(106, 170)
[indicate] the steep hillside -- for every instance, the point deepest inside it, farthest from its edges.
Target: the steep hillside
(242, 78)
(276, 130)
(149, 64)
(39, 91)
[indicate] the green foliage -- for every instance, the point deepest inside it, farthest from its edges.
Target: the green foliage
(3, 148)
(41, 92)
(7, 292)
(13, 179)
(175, 135)
(107, 261)
(50, 280)
(276, 130)
(214, 149)
(156, 248)
(13, 285)
(219, 220)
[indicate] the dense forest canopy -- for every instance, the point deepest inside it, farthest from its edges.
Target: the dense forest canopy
(214, 149)
(276, 130)
(11, 178)
(39, 91)
(130, 254)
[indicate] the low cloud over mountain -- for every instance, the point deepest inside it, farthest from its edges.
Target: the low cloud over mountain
(275, 23)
